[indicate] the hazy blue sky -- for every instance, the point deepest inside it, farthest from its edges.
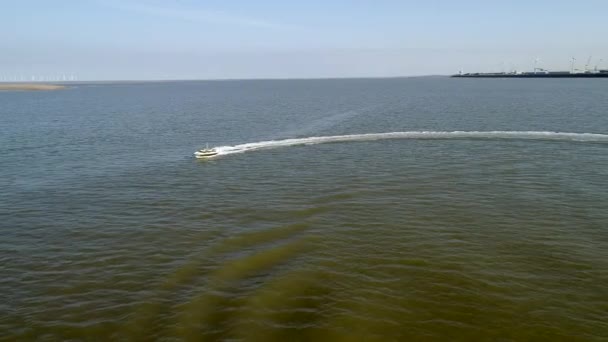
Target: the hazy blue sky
(188, 39)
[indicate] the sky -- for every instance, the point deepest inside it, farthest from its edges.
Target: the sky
(242, 39)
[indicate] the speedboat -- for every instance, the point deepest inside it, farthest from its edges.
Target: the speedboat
(205, 152)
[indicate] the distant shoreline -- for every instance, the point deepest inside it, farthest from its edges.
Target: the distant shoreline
(174, 80)
(30, 86)
(17, 86)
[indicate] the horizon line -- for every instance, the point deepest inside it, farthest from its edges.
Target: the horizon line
(225, 79)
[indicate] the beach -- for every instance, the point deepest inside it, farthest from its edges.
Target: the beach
(30, 86)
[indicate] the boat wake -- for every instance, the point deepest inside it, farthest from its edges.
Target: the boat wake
(500, 135)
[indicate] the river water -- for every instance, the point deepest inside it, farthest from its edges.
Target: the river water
(362, 209)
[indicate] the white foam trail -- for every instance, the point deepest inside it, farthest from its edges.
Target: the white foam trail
(513, 135)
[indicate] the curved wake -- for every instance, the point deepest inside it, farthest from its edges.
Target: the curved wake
(508, 135)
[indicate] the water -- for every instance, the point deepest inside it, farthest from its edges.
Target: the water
(388, 209)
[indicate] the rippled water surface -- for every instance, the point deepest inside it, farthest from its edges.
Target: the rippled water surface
(395, 209)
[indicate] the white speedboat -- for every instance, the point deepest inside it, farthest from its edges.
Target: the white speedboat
(205, 152)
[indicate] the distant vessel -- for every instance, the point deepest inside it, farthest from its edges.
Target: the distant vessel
(205, 152)
(542, 73)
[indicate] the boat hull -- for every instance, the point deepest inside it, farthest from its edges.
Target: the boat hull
(206, 155)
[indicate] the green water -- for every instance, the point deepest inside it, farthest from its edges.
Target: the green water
(112, 231)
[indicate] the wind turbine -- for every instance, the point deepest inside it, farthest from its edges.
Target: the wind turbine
(572, 65)
(587, 65)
